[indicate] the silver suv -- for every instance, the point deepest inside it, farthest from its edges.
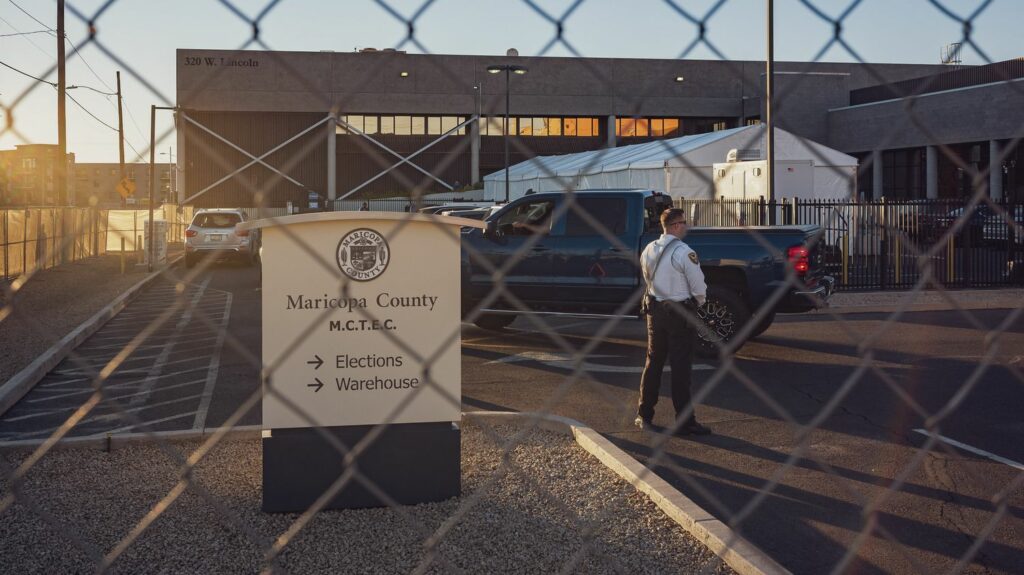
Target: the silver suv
(214, 233)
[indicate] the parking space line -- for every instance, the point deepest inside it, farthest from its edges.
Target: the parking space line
(973, 450)
(108, 388)
(214, 368)
(112, 416)
(117, 385)
(148, 423)
(158, 365)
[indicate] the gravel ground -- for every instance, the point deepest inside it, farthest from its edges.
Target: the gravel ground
(54, 302)
(553, 508)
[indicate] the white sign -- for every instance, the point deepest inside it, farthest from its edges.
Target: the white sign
(358, 309)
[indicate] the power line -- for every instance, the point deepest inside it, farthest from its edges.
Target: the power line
(72, 98)
(6, 65)
(25, 33)
(54, 84)
(131, 117)
(38, 21)
(82, 57)
(66, 39)
(27, 39)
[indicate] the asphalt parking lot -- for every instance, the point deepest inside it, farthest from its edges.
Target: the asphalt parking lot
(815, 422)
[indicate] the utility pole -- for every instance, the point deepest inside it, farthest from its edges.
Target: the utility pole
(61, 177)
(120, 134)
(769, 93)
(152, 180)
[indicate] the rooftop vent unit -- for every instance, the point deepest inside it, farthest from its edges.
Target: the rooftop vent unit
(743, 155)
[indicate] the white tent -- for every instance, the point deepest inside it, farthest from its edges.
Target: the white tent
(682, 167)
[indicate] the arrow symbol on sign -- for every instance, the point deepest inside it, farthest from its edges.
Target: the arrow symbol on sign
(317, 361)
(318, 385)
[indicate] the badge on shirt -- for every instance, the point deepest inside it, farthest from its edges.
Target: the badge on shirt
(693, 258)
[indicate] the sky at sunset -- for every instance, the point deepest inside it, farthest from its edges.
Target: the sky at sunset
(139, 37)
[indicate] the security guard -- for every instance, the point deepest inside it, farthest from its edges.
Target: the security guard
(676, 282)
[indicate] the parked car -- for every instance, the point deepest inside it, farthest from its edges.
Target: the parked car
(450, 207)
(213, 233)
(997, 228)
(934, 227)
(573, 268)
(474, 214)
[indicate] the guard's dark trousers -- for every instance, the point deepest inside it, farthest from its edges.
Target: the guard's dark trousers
(670, 335)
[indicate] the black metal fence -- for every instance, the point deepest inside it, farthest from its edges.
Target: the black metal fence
(895, 244)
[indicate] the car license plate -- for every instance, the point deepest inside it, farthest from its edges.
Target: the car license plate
(215, 238)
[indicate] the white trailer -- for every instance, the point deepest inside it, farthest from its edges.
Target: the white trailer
(749, 180)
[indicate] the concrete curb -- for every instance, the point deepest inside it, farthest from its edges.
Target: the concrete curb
(23, 382)
(909, 301)
(734, 550)
(737, 552)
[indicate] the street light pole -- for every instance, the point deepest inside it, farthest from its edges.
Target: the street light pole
(508, 99)
(508, 69)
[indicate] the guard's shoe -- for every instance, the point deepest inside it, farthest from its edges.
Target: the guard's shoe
(644, 424)
(694, 428)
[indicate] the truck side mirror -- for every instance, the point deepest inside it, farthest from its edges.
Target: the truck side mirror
(491, 231)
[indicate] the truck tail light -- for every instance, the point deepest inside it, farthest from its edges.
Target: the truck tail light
(190, 233)
(799, 258)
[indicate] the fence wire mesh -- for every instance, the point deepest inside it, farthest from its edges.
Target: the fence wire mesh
(924, 247)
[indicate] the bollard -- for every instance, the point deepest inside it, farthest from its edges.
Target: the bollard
(139, 250)
(950, 256)
(122, 255)
(899, 261)
(846, 260)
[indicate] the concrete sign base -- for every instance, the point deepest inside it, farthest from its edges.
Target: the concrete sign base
(411, 463)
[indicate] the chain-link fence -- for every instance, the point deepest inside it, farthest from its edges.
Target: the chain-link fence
(580, 260)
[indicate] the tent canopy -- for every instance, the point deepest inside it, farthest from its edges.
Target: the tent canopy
(677, 166)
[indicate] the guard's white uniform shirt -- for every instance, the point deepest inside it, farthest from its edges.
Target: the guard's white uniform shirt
(679, 276)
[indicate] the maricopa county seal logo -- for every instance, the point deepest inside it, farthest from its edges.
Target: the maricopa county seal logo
(363, 254)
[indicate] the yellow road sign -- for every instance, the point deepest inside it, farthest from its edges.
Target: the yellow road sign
(125, 187)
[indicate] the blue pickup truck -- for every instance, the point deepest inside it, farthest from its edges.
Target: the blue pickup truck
(578, 255)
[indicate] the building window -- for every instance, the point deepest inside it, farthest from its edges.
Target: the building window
(539, 127)
(403, 125)
(28, 163)
(756, 121)
(718, 126)
(646, 127)
(370, 124)
(418, 126)
(587, 127)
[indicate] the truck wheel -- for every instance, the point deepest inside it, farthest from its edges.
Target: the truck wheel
(763, 325)
(723, 315)
(494, 322)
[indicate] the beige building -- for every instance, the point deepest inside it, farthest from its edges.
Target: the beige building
(28, 175)
(100, 180)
